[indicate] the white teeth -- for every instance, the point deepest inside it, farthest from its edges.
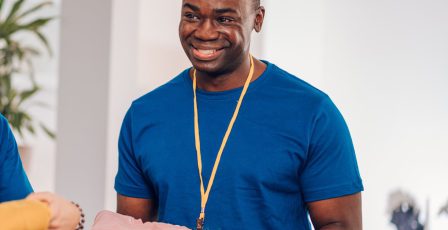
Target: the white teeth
(207, 52)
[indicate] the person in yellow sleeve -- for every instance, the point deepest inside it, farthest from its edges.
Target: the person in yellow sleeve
(40, 211)
(24, 214)
(20, 209)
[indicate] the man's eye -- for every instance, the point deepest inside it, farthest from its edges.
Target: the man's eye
(191, 16)
(225, 20)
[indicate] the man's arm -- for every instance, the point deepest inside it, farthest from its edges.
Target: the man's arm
(14, 183)
(342, 213)
(137, 207)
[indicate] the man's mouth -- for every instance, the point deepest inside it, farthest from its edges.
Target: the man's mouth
(206, 54)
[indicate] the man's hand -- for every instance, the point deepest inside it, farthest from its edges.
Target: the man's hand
(64, 214)
(342, 213)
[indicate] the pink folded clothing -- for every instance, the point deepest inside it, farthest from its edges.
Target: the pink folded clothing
(107, 220)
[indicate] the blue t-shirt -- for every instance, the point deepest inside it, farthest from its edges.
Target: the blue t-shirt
(14, 183)
(289, 146)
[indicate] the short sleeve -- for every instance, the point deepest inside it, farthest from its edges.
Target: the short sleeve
(130, 180)
(14, 183)
(331, 169)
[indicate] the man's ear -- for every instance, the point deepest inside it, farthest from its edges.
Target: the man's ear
(259, 18)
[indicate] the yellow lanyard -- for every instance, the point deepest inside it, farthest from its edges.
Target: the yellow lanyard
(205, 194)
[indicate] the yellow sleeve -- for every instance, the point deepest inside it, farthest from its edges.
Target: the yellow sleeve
(24, 215)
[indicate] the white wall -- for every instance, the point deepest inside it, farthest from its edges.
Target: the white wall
(293, 36)
(385, 64)
(161, 55)
(83, 103)
(125, 48)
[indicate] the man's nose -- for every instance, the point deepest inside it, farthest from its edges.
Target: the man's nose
(206, 31)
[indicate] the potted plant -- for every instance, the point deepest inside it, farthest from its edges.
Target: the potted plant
(16, 61)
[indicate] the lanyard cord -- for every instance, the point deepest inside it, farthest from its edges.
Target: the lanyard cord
(205, 194)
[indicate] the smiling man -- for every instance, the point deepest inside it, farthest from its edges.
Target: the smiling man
(235, 142)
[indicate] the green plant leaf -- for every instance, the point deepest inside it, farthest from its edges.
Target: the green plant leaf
(44, 40)
(6, 82)
(32, 51)
(34, 8)
(20, 53)
(50, 133)
(12, 94)
(19, 120)
(31, 71)
(12, 13)
(1, 7)
(23, 96)
(36, 24)
(11, 27)
(7, 29)
(31, 129)
(16, 59)
(18, 128)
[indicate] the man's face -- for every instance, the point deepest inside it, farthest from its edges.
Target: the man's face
(215, 34)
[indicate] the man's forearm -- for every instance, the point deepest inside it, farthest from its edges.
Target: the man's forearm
(338, 226)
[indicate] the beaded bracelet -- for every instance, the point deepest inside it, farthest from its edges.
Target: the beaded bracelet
(80, 225)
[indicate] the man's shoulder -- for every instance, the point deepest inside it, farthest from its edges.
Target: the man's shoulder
(293, 85)
(4, 128)
(170, 90)
(3, 121)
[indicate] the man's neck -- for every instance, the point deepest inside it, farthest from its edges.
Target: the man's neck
(228, 81)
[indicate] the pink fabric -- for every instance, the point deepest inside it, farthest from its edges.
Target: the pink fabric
(107, 220)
